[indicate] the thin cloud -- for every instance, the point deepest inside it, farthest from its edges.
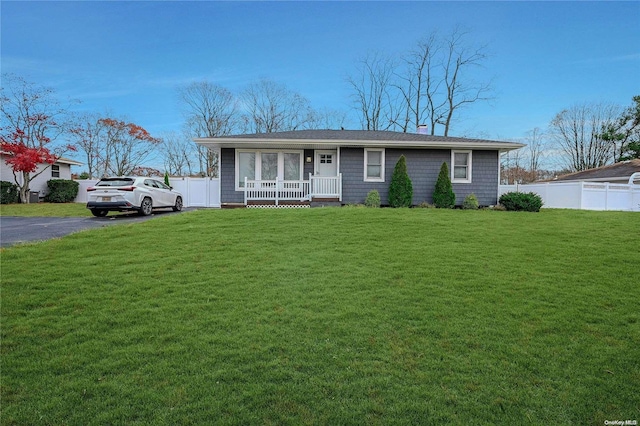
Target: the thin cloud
(609, 59)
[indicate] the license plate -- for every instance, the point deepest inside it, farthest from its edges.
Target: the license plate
(106, 198)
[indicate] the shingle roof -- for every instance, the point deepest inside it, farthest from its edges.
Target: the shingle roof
(61, 160)
(623, 169)
(353, 135)
(355, 138)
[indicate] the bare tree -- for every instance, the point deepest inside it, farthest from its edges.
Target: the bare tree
(210, 110)
(85, 131)
(326, 118)
(434, 83)
(578, 133)
(375, 97)
(460, 90)
(536, 145)
(524, 165)
(511, 164)
(273, 107)
(179, 154)
(420, 86)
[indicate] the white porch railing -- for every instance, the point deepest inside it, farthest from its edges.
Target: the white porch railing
(275, 190)
(326, 186)
(293, 190)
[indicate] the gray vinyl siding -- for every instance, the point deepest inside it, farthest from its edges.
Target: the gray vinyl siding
(484, 181)
(308, 167)
(228, 193)
(423, 166)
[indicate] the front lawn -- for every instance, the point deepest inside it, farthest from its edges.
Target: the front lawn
(45, 210)
(327, 316)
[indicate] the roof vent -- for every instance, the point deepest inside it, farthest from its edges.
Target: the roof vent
(423, 129)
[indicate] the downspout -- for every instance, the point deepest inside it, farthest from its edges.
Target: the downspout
(339, 172)
(499, 174)
(632, 178)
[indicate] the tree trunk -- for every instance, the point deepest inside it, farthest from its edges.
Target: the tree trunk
(24, 188)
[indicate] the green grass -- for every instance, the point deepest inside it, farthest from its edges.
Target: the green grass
(45, 210)
(327, 316)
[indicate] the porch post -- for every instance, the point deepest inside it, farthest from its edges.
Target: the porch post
(245, 190)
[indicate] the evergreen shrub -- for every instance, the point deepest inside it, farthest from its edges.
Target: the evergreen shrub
(470, 202)
(400, 188)
(521, 201)
(443, 196)
(61, 191)
(8, 192)
(373, 199)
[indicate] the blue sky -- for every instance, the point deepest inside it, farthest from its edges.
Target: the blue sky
(129, 57)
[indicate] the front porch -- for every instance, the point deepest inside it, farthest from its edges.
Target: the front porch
(284, 192)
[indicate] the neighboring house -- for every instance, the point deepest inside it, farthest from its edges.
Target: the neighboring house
(342, 166)
(614, 173)
(61, 169)
(604, 188)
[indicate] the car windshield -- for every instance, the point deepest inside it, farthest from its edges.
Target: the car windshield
(115, 182)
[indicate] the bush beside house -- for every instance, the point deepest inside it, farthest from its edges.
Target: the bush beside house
(400, 188)
(8, 192)
(373, 199)
(521, 201)
(61, 191)
(443, 195)
(470, 202)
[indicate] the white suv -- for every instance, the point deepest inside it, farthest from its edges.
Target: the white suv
(141, 194)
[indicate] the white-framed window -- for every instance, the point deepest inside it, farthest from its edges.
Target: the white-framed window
(373, 165)
(267, 165)
(460, 166)
(245, 166)
(55, 171)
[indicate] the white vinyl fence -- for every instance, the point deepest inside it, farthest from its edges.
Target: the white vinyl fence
(82, 190)
(582, 195)
(196, 192)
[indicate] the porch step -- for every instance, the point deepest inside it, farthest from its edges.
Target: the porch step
(232, 205)
(325, 202)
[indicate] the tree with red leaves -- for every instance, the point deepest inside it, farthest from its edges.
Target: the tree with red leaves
(111, 146)
(125, 146)
(31, 121)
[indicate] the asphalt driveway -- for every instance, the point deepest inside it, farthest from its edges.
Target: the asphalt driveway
(14, 230)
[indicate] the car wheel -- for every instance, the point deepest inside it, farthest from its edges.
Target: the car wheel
(99, 212)
(146, 206)
(178, 206)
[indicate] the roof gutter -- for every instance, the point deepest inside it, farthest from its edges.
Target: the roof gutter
(252, 142)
